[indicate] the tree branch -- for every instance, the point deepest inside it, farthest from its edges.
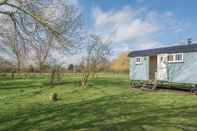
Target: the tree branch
(36, 18)
(3, 2)
(5, 12)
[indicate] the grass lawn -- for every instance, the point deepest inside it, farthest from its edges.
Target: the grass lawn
(106, 105)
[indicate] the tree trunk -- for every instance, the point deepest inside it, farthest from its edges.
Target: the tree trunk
(40, 67)
(84, 80)
(52, 77)
(18, 66)
(12, 74)
(18, 62)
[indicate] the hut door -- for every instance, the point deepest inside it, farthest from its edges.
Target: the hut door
(152, 67)
(162, 67)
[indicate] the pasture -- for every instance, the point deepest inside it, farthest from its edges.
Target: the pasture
(107, 104)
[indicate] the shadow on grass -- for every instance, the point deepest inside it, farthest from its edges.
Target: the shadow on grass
(26, 84)
(19, 85)
(106, 113)
(73, 82)
(110, 82)
(9, 84)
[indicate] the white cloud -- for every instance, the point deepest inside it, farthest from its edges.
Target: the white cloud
(136, 28)
(124, 22)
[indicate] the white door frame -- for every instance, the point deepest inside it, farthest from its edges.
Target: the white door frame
(162, 67)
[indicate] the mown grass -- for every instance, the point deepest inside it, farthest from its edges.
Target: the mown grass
(108, 104)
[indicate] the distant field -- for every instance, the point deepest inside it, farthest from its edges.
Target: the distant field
(108, 104)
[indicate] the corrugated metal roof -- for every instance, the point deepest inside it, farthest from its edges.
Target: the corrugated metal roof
(172, 49)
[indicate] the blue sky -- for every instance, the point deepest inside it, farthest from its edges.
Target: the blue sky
(138, 24)
(141, 24)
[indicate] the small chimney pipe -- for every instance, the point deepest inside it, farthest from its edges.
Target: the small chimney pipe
(189, 41)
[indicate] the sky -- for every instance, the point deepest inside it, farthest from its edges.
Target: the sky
(138, 24)
(141, 24)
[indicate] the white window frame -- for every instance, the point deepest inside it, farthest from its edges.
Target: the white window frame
(138, 62)
(174, 58)
(181, 60)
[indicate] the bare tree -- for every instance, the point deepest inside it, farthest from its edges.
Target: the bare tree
(39, 24)
(98, 49)
(56, 66)
(11, 46)
(41, 50)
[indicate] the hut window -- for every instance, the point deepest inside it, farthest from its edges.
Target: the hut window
(138, 60)
(177, 57)
(170, 58)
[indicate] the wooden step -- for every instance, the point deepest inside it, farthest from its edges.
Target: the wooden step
(150, 86)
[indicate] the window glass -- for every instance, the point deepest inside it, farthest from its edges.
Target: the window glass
(179, 57)
(170, 58)
(138, 60)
